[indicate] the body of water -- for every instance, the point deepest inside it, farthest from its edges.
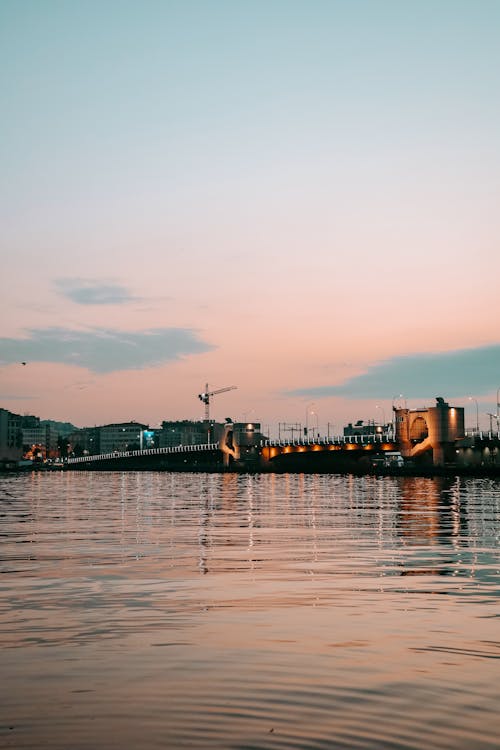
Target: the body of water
(163, 610)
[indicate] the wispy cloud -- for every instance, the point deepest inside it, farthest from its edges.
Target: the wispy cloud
(94, 292)
(448, 374)
(13, 397)
(103, 350)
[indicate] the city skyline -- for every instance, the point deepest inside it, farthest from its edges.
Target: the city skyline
(297, 199)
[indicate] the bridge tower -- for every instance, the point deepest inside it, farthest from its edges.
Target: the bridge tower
(432, 430)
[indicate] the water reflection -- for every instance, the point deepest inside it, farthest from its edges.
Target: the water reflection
(430, 509)
(235, 611)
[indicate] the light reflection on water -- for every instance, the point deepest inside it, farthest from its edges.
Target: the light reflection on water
(156, 610)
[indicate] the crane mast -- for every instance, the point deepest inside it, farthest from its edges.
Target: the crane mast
(207, 395)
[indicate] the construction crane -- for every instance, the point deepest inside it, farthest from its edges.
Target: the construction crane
(207, 395)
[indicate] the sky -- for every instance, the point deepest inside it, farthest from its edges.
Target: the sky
(299, 198)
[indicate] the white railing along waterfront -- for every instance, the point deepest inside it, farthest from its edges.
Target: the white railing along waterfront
(201, 447)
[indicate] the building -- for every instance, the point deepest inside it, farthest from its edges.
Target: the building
(84, 441)
(188, 432)
(108, 438)
(360, 428)
(39, 440)
(122, 436)
(11, 437)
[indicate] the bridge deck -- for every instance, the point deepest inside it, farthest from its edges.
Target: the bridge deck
(174, 449)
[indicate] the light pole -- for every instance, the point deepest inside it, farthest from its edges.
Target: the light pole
(498, 409)
(306, 431)
(315, 414)
(471, 398)
(393, 413)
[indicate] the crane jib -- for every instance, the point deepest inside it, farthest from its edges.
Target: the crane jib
(205, 397)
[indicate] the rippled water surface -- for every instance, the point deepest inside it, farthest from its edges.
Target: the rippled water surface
(158, 610)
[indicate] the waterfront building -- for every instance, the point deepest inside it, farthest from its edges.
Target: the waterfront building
(38, 439)
(121, 436)
(188, 432)
(84, 441)
(11, 438)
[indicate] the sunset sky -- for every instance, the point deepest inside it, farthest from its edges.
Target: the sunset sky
(299, 198)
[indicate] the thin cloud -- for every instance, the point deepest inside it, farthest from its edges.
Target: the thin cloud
(12, 397)
(93, 292)
(103, 350)
(448, 374)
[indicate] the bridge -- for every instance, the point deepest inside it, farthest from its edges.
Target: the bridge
(227, 454)
(341, 441)
(429, 437)
(204, 456)
(343, 452)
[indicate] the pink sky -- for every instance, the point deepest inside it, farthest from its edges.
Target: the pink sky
(307, 216)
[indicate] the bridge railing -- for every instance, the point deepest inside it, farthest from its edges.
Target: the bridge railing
(338, 440)
(483, 434)
(199, 448)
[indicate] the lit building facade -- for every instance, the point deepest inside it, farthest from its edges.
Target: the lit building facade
(39, 439)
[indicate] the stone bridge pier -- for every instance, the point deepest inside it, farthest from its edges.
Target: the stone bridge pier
(430, 433)
(239, 443)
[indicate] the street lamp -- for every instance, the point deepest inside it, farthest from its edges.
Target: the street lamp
(471, 398)
(498, 410)
(315, 414)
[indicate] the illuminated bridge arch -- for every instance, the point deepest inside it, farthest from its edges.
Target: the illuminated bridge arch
(419, 429)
